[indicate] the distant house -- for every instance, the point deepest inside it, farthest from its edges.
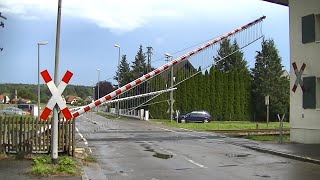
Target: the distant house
(73, 99)
(89, 99)
(4, 99)
(285, 74)
(24, 101)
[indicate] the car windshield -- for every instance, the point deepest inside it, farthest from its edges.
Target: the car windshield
(200, 112)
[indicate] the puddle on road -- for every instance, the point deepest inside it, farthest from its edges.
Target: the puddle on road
(156, 154)
(162, 156)
(264, 176)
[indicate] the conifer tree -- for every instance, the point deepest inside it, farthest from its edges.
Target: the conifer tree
(139, 66)
(268, 80)
(124, 72)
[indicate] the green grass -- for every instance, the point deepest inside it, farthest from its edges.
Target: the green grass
(221, 125)
(273, 138)
(112, 116)
(42, 166)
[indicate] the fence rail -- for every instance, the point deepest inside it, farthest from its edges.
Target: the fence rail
(28, 135)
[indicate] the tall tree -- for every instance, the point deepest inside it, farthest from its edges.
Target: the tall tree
(229, 57)
(105, 87)
(268, 80)
(139, 66)
(124, 71)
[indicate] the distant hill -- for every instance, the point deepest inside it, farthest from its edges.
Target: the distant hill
(29, 91)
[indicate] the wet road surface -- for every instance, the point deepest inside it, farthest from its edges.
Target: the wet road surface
(141, 150)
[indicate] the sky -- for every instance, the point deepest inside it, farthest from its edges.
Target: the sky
(89, 30)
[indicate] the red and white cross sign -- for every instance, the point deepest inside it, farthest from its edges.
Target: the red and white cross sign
(299, 75)
(56, 95)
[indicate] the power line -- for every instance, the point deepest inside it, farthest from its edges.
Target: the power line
(2, 25)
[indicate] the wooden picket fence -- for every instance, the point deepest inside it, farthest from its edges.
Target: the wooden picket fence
(26, 135)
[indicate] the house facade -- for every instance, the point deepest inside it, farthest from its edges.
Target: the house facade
(304, 25)
(4, 99)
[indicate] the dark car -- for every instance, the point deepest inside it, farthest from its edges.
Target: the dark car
(196, 116)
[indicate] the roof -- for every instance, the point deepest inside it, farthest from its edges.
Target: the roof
(71, 98)
(281, 2)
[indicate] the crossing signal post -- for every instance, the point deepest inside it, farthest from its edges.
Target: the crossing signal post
(171, 86)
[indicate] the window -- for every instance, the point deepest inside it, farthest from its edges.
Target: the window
(310, 28)
(317, 27)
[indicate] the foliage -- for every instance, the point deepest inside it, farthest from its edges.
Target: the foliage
(230, 58)
(105, 87)
(30, 91)
(268, 80)
(66, 166)
(124, 72)
(139, 66)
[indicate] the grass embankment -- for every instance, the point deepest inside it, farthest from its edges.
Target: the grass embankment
(273, 138)
(222, 125)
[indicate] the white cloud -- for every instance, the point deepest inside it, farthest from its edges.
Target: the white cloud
(125, 15)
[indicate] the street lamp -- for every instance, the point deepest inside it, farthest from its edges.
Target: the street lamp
(39, 44)
(98, 85)
(118, 46)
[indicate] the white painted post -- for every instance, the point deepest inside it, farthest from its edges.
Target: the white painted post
(141, 113)
(146, 117)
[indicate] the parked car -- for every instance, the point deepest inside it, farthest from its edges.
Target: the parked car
(12, 111)
(196, 116)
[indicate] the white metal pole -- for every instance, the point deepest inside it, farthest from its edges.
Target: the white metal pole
(38, 82)
(39, 44)
(54, 151)
(98, 87)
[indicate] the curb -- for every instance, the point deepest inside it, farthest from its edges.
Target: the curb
(282, 154)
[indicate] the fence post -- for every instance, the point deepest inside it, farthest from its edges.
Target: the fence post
(20, 134)
(73, 135)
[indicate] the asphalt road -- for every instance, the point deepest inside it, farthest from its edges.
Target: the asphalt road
(141, 150)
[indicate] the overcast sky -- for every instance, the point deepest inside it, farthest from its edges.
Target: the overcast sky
(89, 29)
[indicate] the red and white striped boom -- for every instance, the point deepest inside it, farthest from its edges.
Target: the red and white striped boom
(162, 68)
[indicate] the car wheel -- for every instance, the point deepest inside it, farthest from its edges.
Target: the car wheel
(205, 121)
(183, 121)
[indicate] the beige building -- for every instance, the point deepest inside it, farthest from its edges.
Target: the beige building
(304, 25)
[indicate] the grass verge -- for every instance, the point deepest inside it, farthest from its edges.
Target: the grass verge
(221, 125)
(271, 138)
(67, 166)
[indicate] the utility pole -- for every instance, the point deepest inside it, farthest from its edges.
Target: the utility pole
(149, 53)
(54, 138)
(171, 86)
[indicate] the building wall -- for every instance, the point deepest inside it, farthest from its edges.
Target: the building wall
(305, 123)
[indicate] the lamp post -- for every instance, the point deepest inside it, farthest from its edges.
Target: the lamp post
(167, 55)
(98, 86)
(118, 106)
(39, 44)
